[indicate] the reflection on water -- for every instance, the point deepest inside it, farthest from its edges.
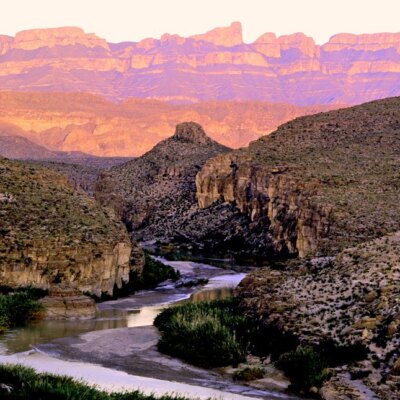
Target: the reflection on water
(40, 332)
(212, 294)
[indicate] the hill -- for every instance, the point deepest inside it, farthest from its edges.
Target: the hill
(318, 184)
(54, 234)
(347, 307)
(155, 194)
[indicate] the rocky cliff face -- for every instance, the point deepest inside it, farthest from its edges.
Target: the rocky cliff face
(68, 303)
(349, 69)
(318, 183)
(53, 234)
(291, 220)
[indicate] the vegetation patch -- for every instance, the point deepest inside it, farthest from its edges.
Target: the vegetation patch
(305, 367)
(21, 383)
(155, 272)
(207, 334)
(18, 308)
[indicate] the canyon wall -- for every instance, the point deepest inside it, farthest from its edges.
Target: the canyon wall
(316, 185)
(294, 223)
(53, 234)
(91, 269)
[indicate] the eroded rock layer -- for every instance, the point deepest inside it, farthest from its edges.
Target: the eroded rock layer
(81, 122)
(348, 69)
(317, 184)
(53, 234)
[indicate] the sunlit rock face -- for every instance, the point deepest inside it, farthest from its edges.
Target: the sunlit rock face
(91, 124)
(216, 65)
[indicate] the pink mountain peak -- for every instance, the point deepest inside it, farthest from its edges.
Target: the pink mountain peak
(227, 36)
(33, 39)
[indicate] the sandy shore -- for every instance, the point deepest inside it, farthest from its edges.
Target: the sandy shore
(134, 351)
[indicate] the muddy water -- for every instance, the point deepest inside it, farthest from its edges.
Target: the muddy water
(117, 350)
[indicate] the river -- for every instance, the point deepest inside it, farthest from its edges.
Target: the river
(117, 351)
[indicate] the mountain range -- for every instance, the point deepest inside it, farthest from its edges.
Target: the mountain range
(82, 122)
(218, 65)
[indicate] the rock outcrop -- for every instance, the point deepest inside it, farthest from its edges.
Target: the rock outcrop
(291, 221)
(348, 69)
(227, 37)
(51, 233)
(318, 183)
(67, 303)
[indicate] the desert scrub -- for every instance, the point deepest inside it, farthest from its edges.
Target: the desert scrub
(207, 334)
(18, 308)
(305, 367)
(26, 384)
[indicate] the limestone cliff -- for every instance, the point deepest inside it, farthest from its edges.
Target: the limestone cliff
(51, 233)
(93, 125)
(293, 222)
(318, 183)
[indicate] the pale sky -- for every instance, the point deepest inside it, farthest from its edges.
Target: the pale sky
(133, 20)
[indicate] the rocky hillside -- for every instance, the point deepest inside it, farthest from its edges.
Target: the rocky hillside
(319, 183)
(351, 299)
(81, 169)
(79, 122)
(51, 234)
(19, 147)
(217, 65)
(155, 194)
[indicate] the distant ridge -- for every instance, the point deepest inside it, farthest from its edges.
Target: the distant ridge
(91, 124)
(217, 65)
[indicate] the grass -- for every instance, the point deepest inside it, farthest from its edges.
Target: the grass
(217, 334)
(207, 334)
(18, 308)
(26, 384)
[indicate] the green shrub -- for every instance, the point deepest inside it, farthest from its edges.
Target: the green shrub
(26, 384)
(18, 308)
(207, 334)
(154, 272)
(305, 368)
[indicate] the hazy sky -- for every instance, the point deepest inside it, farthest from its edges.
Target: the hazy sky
(133, 20)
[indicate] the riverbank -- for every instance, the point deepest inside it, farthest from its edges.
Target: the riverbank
(118, 348)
